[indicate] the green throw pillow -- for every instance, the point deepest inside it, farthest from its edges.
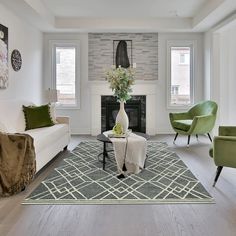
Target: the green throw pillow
(37, 117)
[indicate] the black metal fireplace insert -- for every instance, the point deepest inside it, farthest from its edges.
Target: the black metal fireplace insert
(135, 109)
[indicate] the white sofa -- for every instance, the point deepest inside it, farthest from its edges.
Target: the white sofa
(48, 141)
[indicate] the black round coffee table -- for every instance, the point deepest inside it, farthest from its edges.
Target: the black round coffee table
(105, 140)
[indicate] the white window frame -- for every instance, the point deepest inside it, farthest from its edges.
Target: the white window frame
(180, 43)
(66, 43)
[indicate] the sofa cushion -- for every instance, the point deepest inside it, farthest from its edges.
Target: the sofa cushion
(13, 119)
(53, 112)
(37, 116)
(43, 137)
(182, 124)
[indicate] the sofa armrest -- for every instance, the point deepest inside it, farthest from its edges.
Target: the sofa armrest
(227, 130)
(224, 151)
(179, 116)
(63, 119)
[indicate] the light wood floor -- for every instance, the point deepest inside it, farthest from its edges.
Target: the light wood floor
(131, 220)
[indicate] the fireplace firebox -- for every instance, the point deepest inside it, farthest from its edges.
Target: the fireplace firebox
(135, 109)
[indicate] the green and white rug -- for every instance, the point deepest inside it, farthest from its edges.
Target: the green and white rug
(80, 180)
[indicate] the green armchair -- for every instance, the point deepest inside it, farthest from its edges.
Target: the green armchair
(224, 149)
(200, 119)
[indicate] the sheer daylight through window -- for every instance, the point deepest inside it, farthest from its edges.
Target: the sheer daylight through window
(180, 76)
(66, 75)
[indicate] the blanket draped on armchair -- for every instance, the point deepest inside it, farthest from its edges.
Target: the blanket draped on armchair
(17, 162)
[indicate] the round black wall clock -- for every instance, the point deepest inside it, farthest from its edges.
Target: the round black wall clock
(16, 60)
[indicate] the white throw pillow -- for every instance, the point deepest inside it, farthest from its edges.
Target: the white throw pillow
(53, 112)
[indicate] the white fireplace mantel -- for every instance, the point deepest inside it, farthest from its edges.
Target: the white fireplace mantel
(99, 89)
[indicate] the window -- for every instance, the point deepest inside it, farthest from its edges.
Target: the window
(180, 74)
(65, 68)
(184, 58)
(175, 89)
(65, 75)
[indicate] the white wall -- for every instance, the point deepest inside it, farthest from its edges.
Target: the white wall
(207, 64)
(26, 83)
(223, 79)
(80, 118)
(232, 76)
(163, 124)
(220, 71)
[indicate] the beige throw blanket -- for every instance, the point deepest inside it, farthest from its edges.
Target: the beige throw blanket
(130, 151)
(17, 162)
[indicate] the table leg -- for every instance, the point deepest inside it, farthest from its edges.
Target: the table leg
(104, 155)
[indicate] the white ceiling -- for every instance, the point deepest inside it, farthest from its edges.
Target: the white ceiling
(123, 15)
(124, 8)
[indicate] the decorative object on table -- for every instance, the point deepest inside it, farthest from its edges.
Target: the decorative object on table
(122, 117)
(121, 80)
(16, 60)
(3, 57)
(117, 129)
(17, 155)
(224, 151)
(122, 53)
(117, 132)
(80, 180)
(200, 119)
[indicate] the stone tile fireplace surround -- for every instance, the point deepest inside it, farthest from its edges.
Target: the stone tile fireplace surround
(99, 89)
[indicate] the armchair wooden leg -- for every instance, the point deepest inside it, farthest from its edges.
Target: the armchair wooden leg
(188, 140)
(218, 171)
(209, 137)
(175, 137)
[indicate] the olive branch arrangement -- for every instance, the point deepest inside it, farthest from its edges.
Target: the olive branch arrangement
(121, 80)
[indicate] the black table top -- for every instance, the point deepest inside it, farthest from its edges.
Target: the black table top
(103, 138)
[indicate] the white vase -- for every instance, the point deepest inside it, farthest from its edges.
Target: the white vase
(122, 118)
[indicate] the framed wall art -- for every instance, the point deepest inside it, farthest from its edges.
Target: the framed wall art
(16, 60)
(3, 57)
(122, 53)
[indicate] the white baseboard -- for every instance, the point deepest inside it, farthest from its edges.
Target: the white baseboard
(81, 133)
(72, 133)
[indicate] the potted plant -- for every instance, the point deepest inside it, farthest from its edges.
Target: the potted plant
(121, 80)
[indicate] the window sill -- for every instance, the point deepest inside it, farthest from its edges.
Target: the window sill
(68, 107)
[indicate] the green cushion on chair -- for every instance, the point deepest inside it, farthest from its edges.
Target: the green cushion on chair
(182, 124)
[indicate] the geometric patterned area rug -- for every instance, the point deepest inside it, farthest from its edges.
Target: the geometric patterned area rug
(80, 179)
